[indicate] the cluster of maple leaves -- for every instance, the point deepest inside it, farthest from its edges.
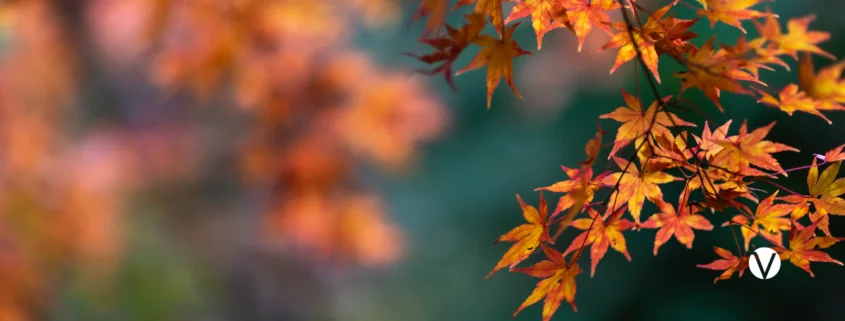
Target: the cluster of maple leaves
(720, 168)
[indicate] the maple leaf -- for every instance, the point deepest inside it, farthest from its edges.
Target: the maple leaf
(790, 100)
(672, 149)
(635, 185)
(546, 15)
(834, 155)
(579, 189)
(527, 236)
(558, 283)
(826, 88)
(497, 54)
(729, 264)
(435, 10)
(636, 124)
(741, 151)
(644, 38)
(723, 195)
(707, 143)
(767, 222)
(751, 56)
(605, 231)
(825, 192)
(679, 223)
(593, 147)
(712, 74)
(799, 38)
(449, 47)
(675, 33)
(488, 8)
(730, 12)
(584, 14)
(802, 248)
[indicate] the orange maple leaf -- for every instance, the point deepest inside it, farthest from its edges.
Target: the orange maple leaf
(730, 12)
(527, 236)
(637, 124)
(707, 143)
(834, 155)
(751, 55)
(802, 248)
(729, 264)
(674, 35)
(449, 47)
(790, 100)
(584, 14)
(824, 85)
(498, 55)
(679, 223)
(825, 192)
(767, 221)
(488, 8)
(741, 151)
(605, 231)
(558, 283)
(546, 15)
(712, 74)
(593, 147)
(636, 185)
(672, 149)
(644, 38)
(435, 10)
(579, 189)
(799, 38)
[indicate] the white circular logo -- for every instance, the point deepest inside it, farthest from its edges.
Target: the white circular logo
(764, 263)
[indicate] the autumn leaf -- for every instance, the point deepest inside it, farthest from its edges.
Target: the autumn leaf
(802, 248)
(584, 14)
(527, 236)
(546, 15)
(558, 283)
(673, 36)
(672, 149)
(579, 189)
(498, 55)
(729, 264)
(707, 143)
(825, 90)
(679, 223)
(799, 38)
(637, 124)
(604, 232)
(636, 185)
(629, 39)
(436, 11)
(593, 147)
(825, 192)
(834, 155)
(449, 47)
(790, 100)
(767, 221)
(741, 151)
(751, 55)
(713, 74)
(488, 8)
(730, 12)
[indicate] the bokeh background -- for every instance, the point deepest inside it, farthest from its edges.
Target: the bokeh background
(281, 160)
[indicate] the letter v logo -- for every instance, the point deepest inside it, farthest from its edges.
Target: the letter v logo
(764, 263)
